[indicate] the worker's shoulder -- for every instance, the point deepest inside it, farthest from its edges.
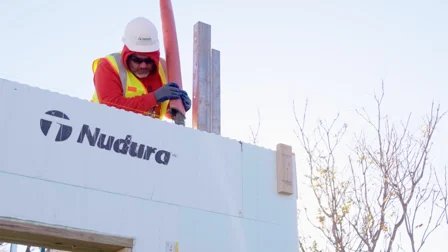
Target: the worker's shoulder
(103, 66)
(104, 62)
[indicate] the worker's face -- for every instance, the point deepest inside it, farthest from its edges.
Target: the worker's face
(141, 65)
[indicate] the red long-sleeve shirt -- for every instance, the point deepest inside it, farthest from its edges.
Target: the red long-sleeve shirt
(110, 91)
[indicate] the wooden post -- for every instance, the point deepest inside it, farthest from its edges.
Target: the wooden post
(216, 92)
(285, 172)
(206, 82)
(201, 77)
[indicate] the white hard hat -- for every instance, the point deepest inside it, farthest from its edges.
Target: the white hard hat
(140, 35)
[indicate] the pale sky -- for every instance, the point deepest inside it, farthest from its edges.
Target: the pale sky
(335, 53)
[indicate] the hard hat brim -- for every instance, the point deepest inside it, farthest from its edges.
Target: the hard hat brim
(145, 48)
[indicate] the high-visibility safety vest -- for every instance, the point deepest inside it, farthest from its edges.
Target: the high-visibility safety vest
(131, 85)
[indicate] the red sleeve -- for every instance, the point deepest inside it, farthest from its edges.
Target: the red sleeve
(110, 92)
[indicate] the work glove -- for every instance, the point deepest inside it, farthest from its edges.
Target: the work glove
(185, 100)
(169, 91)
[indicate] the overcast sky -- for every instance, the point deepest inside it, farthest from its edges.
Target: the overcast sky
(335, 53)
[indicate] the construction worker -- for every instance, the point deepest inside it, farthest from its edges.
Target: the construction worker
(135, 78)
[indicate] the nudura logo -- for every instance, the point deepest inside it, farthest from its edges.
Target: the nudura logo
(124, 146)
(64, 131)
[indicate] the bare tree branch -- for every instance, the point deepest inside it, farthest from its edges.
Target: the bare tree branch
(389, 181)
(254, 134)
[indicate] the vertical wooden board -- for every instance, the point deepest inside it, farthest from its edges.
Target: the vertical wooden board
(294, 165)
(204, 232)
(272, 206)
(201, 77)
(216, 92)
(285, 173)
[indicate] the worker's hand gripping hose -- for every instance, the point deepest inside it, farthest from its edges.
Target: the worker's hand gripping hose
(177, 109)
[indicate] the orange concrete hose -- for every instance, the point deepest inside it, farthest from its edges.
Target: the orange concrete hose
(172, 57)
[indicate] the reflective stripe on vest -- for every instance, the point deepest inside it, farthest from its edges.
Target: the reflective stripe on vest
(131, 85)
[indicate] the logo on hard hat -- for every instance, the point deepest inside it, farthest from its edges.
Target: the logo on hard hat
(146, 39)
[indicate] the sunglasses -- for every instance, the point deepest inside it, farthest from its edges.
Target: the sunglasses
(140, 60)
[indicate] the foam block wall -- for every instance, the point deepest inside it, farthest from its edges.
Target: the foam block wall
(70, 162)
